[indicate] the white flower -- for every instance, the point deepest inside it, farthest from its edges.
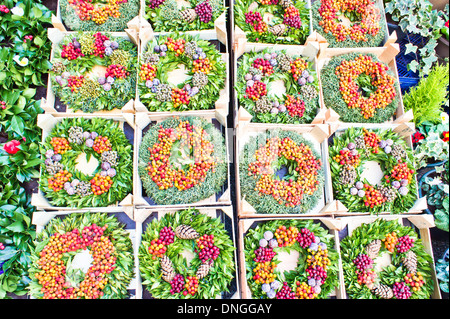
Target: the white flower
(444, 117)
(21, 62)
(18, 11)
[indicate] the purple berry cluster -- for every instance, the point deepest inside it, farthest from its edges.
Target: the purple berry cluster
(401, 290)
(264, 254)
(363, 262)
(177, 284)
(317, 273)
(204, 11)
(166, 235)
(404, 244)
(155, 3)
(285, 292)
(208, 251)
(305, 237)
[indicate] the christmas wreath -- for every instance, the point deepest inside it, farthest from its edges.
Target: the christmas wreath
(93, 71)
(365, 27)
(258, 71)
(395, 193)
(205, 74)
(98, 15)
(315, 274)
(280, 172)
(407, 274)
(360, 88)
(63, 248)
(182, 160)
(166, 272)
(273, 21)
(65, 185)
(165, 15)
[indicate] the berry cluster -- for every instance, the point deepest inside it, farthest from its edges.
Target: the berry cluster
(27, 38)
(4, 8)
(204, 11)
(348, 157)
(60, 145)
(264, 272)
(191, 285)
(372, 140)
(56, 182)
(372, 196)
(348, 73)
(255, 19)
(295, 105)
(305, 237)
(177, 284)
(390, 241)
(414, 280)
(363, 262)
(404, 243)
(75, 82)
(297, 67)
(291, 17)
(176, 46)
(69, 52)
(180, 97)
(201, 65)
(147, 72)
(116, 71)
(401, 171)
(366, 277)
(268, 2)
(255, 91)
(304, 291)
(155, 3)
(264, 254)
(317, 273)
(208, 251)
(157, 248)
(2, 105)
(86, 10)
(401, 290)
(263, 65)
(318, 256)
(167, 235)
(102, 144)
(286, 236)
(285, 292)
(99, 47)
(100, 184)
(2, 246)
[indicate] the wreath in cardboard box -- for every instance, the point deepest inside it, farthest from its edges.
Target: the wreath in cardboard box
(280, 173)
(395, 193)
(55, 274)
(407, 276)
(64, 185)
(182, 160)
(98, 15)
(257, 71)
(360, 88)
(289, 20)
(315, 274)
(205, 71)
(166, 16)
(93, 71)
(166, 272)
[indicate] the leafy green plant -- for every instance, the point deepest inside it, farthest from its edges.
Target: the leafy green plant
(418, 17)
(428, 98)
(442, 272)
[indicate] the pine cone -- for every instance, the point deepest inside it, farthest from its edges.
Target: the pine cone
(410, 262)
(186, 232)
(373, 248)
(278, 29)
(188, 15)
(286, 3)
(383, 291)
(168, 272)
(203, 270)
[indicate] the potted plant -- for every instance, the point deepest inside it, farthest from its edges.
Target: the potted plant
(442, 272)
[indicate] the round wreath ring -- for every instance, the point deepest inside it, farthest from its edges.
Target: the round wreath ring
(182, 160)
(316, 273)
(256, 72)
(280, 172)
(102, 138)
(407, 277)
(395, 193)
(93, 71)
(206, 74)
(98, 15)
(104, 237)
(290, 22)
(366, 17)
(166, 272)
(360, 88)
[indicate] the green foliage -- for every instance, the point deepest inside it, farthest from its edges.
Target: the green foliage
(428, 98)
(442, 273)
(432, 148)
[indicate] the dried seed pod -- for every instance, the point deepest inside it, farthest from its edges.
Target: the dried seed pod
(186, 232)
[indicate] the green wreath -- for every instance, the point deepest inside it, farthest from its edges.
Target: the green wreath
(53, 274)
(408, 276)
(360, 34)
(280, 173)
(368, 102)
(205, 70)
(289, 24)
(94, 71)
(182, 160)
(75, 18)
(165, 15)
(395, 193)
(64, 185)
(256, 73)
(166, 272)
(315, 275)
